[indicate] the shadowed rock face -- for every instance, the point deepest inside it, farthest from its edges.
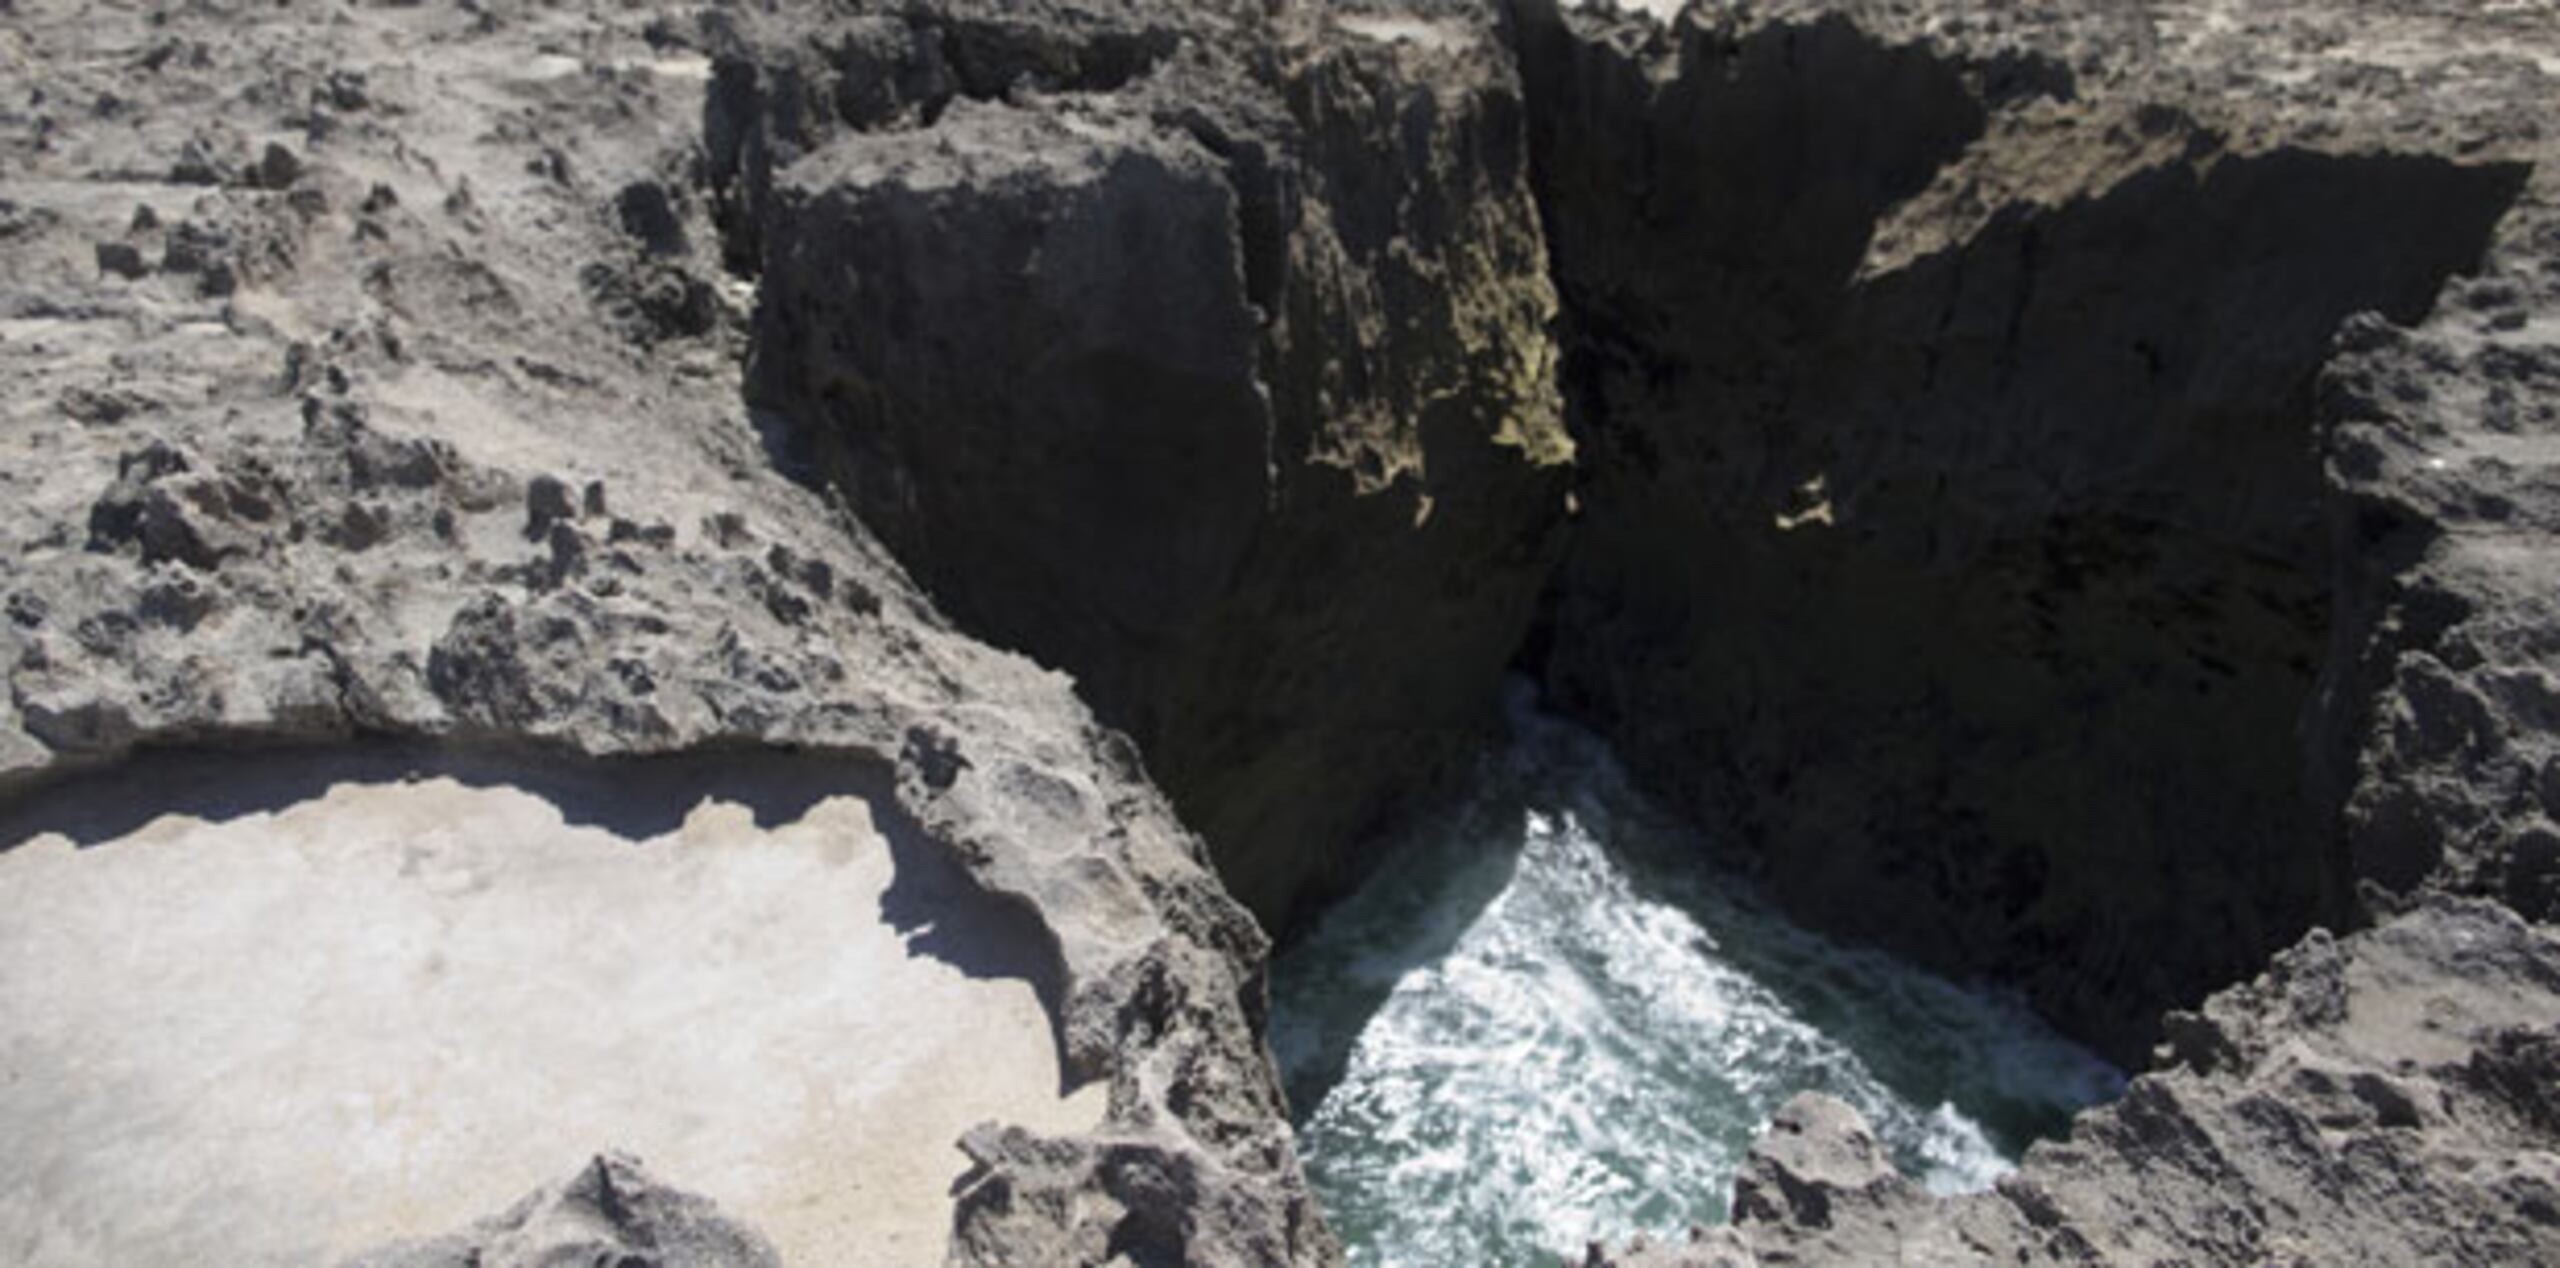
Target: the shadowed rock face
(1228, 391)
(1961, 524)
(1046, 387)
(1954, 524)
(1953, 520)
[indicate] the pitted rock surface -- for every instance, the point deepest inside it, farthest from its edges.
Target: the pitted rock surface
(435, 433)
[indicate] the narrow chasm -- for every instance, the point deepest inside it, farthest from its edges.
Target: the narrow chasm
(1893, 473)
(1952, 572)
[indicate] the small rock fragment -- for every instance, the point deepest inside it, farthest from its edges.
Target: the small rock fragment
(122, 259)
(278, 168)
(546, 501)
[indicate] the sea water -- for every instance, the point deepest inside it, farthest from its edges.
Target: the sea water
(1546, 1021)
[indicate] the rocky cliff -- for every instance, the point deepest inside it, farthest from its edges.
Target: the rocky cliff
(2383, 1098)
(2065, 493)
(2374, 1097)
(378, 378)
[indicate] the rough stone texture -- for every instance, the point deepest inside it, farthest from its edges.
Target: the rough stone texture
(1199, 353)
(2439, 732)
(443, 440)
(612, 1212)
(1954, 533)
(1975, 510)
(2379, 1096)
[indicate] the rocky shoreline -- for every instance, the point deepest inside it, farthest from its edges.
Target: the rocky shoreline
(2068, 493)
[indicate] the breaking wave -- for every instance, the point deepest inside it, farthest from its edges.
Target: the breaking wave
(1543, 1022)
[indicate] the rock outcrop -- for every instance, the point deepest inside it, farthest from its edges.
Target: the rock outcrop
(2066, 491)
(2374, 1096)
(612, 1212)
(2381, 1098)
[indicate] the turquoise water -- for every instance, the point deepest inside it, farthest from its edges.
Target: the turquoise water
(1543, 1022)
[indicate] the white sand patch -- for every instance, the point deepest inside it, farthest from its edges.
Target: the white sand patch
(553, 66)
(392, 1009)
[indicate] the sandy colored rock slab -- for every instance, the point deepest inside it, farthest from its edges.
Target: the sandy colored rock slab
(379, 1013)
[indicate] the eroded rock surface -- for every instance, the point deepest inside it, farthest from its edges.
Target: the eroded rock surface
(2380, 1098)
(290, 1024)
(434, 433)
(2360, 1100)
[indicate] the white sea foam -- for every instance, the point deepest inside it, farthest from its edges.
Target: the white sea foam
(1545, 1022)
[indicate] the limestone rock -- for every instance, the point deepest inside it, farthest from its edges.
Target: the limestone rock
(412, 473)
(2066, 489)
(1817, 1157)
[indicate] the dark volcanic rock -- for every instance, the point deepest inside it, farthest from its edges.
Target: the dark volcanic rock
(1201, 355)
(2370, 440)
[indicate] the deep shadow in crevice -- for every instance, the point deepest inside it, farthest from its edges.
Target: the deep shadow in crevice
(1977, 590)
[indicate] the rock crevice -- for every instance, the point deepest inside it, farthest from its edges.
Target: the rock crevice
(1935, 452)
(1947, 525)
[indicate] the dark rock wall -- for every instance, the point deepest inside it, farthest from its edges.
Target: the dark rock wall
(1953, 521)
(1049, 400)
(1949, 527)
(1221, 381)
(1418, 469)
